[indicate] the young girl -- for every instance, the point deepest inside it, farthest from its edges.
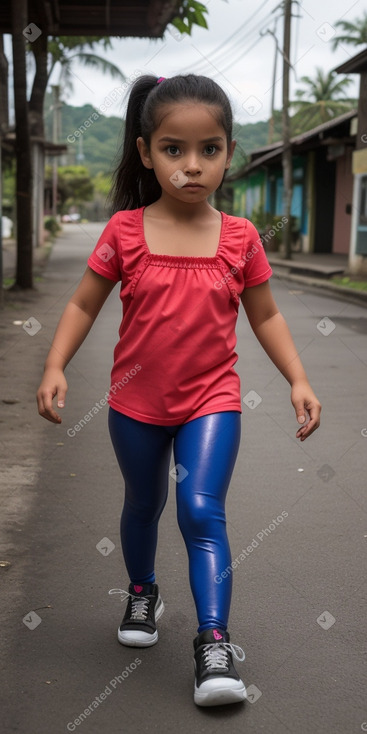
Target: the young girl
(183, 267)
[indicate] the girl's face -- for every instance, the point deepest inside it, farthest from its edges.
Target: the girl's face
(188, 151)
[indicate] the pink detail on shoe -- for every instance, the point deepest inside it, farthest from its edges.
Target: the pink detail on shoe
(138, 589)
(216, 635)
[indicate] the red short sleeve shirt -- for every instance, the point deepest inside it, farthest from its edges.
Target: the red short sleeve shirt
(175, 357)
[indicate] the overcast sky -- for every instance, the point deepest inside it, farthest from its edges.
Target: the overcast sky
(232, 52)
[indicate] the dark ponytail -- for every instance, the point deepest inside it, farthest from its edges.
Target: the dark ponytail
(134, 185)
(132, 181)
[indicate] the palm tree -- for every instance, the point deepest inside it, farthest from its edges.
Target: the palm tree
(49, 53)
(323, 99)
(59, 48)
(354, 34)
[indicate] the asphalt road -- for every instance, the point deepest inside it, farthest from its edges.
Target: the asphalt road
(297, 523)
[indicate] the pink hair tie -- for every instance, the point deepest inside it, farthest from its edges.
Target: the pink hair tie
(161, 79)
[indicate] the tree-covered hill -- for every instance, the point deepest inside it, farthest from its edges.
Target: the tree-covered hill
(95, 140)
(92, 138)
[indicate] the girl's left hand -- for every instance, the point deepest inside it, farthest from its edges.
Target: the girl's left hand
(306, 405)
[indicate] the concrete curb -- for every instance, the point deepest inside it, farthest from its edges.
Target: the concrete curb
(322, 284)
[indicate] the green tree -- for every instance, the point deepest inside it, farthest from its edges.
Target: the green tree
(102, 184)
(352, 33)
(63, 52)
(66, 50)
(323, 99)
(74, 186)
(190, 13)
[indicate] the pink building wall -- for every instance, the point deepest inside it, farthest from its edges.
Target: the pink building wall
(343, 198)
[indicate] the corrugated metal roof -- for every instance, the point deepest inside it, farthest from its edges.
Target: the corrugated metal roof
(144, 19)
(356, 65)
(260, 156)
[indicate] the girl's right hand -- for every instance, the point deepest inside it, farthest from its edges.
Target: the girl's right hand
(53, 383)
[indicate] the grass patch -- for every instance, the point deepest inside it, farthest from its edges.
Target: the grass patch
(357, 285)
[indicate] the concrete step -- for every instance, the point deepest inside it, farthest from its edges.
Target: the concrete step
(308, 266)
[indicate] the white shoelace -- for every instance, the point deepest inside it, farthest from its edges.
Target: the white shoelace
(139, 604)
(216, 655)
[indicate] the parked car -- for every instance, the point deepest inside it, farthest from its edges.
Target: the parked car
(7, 227)
(75, 217)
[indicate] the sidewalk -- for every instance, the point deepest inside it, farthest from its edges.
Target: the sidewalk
(40, 256)
(318, 265)
(317, 270)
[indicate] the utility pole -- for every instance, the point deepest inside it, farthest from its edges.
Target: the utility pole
(271, 120)
(287, 151)
(55, 139)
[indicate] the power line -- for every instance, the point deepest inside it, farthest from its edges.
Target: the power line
(244, 53)
(216, 56)
(248, 20)
(225, 55)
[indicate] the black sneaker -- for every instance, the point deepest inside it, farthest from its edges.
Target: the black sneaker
(216, 679)
(145, 606)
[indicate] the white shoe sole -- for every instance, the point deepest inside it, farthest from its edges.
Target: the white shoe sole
(220, 692)
(138, 638)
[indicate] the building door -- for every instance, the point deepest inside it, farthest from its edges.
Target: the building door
(324, 182)
(361, 248)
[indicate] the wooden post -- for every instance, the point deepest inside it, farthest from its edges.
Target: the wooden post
(24, 274)
(4, 122)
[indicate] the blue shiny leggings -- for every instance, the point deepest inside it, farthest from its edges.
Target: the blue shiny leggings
(206, 449)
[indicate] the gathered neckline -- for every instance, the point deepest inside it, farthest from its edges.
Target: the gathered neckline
(182, 258)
